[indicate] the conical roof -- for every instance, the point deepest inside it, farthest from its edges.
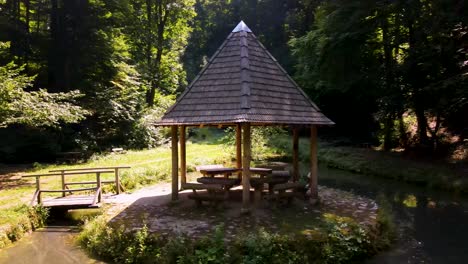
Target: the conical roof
(242, 82)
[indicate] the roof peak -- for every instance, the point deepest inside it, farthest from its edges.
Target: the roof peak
(241, 27)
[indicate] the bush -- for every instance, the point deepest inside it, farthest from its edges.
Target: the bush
(343, 241)
(347, 241)
(27, 219)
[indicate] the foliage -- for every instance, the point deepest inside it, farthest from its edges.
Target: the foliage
(158, 32)
(35, 108)
(382, 59)
(27, 219)
(345, 242)
(260, 137)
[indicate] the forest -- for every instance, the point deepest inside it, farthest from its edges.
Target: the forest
(89, 75)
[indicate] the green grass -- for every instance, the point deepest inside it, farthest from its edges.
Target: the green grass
(148, 166)
(390, 165)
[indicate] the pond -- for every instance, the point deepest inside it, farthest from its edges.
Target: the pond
(432, 226)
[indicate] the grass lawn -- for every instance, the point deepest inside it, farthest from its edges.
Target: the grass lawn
(148, 166)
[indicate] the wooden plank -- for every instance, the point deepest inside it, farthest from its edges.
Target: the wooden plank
(38, 188)
(246, 169)
(313, 165)
(205, 167)
(97, 196)
(183, 156)
(88, 182)
(175, 164)
(71, 202)
(217, 180)
(33, 201)
(202, 186)
(67, 173)
(99, 186)
(90, 169)
(70, 190)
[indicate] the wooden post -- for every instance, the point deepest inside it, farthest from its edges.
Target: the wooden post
(38, 187)
(117, 181)
(246, 169)
(183, 157)
(98, 181)
(63, 182)
(295, 154)
(313, 165)
(239, 148)
(175, 164)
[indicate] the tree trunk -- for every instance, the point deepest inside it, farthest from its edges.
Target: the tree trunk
(422, 126)
(162, 17)
(402, 131)
(388, 133)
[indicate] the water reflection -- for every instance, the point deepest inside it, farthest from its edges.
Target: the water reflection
(432, 224)
(51, 245)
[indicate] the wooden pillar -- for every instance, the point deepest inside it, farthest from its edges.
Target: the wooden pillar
(295, 153)
(183, 157)
(175, 164)
(99, 186)
(38, 189)
(117, 181)
(246, 169)
(313, 164)
(239, 148)
(62, 175)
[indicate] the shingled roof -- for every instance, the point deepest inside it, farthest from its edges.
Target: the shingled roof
(242, 82)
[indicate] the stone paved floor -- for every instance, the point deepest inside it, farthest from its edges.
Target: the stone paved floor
(151, 206)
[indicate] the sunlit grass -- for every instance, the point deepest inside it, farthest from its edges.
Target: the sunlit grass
(147, 167)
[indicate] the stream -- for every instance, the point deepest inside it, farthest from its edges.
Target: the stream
(432, 226)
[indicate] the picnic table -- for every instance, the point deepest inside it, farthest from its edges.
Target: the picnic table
(212, 172)
(226, 172)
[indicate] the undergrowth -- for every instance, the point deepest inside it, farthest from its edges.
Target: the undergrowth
(334, 240)
(27, 219)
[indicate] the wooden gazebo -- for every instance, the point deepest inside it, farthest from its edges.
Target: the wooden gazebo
(243, 85)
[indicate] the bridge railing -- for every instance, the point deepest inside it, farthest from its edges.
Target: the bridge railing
(65, 185)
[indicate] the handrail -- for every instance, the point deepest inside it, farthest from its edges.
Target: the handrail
(81, 171)
(67, 173)
(118, 185)
(70, 190)
(87, 182)
(90, 169)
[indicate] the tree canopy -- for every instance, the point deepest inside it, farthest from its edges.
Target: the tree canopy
(94, 71)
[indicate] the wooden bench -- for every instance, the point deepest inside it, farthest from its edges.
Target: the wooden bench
(287, 191)
(215, 193)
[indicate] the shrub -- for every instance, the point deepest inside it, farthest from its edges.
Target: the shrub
(347, 241)
(27, 219)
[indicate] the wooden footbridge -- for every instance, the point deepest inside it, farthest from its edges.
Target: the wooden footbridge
(68, 198)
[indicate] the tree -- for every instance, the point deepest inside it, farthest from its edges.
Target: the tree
(158, 32)
(384, 59)
(37, 108)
